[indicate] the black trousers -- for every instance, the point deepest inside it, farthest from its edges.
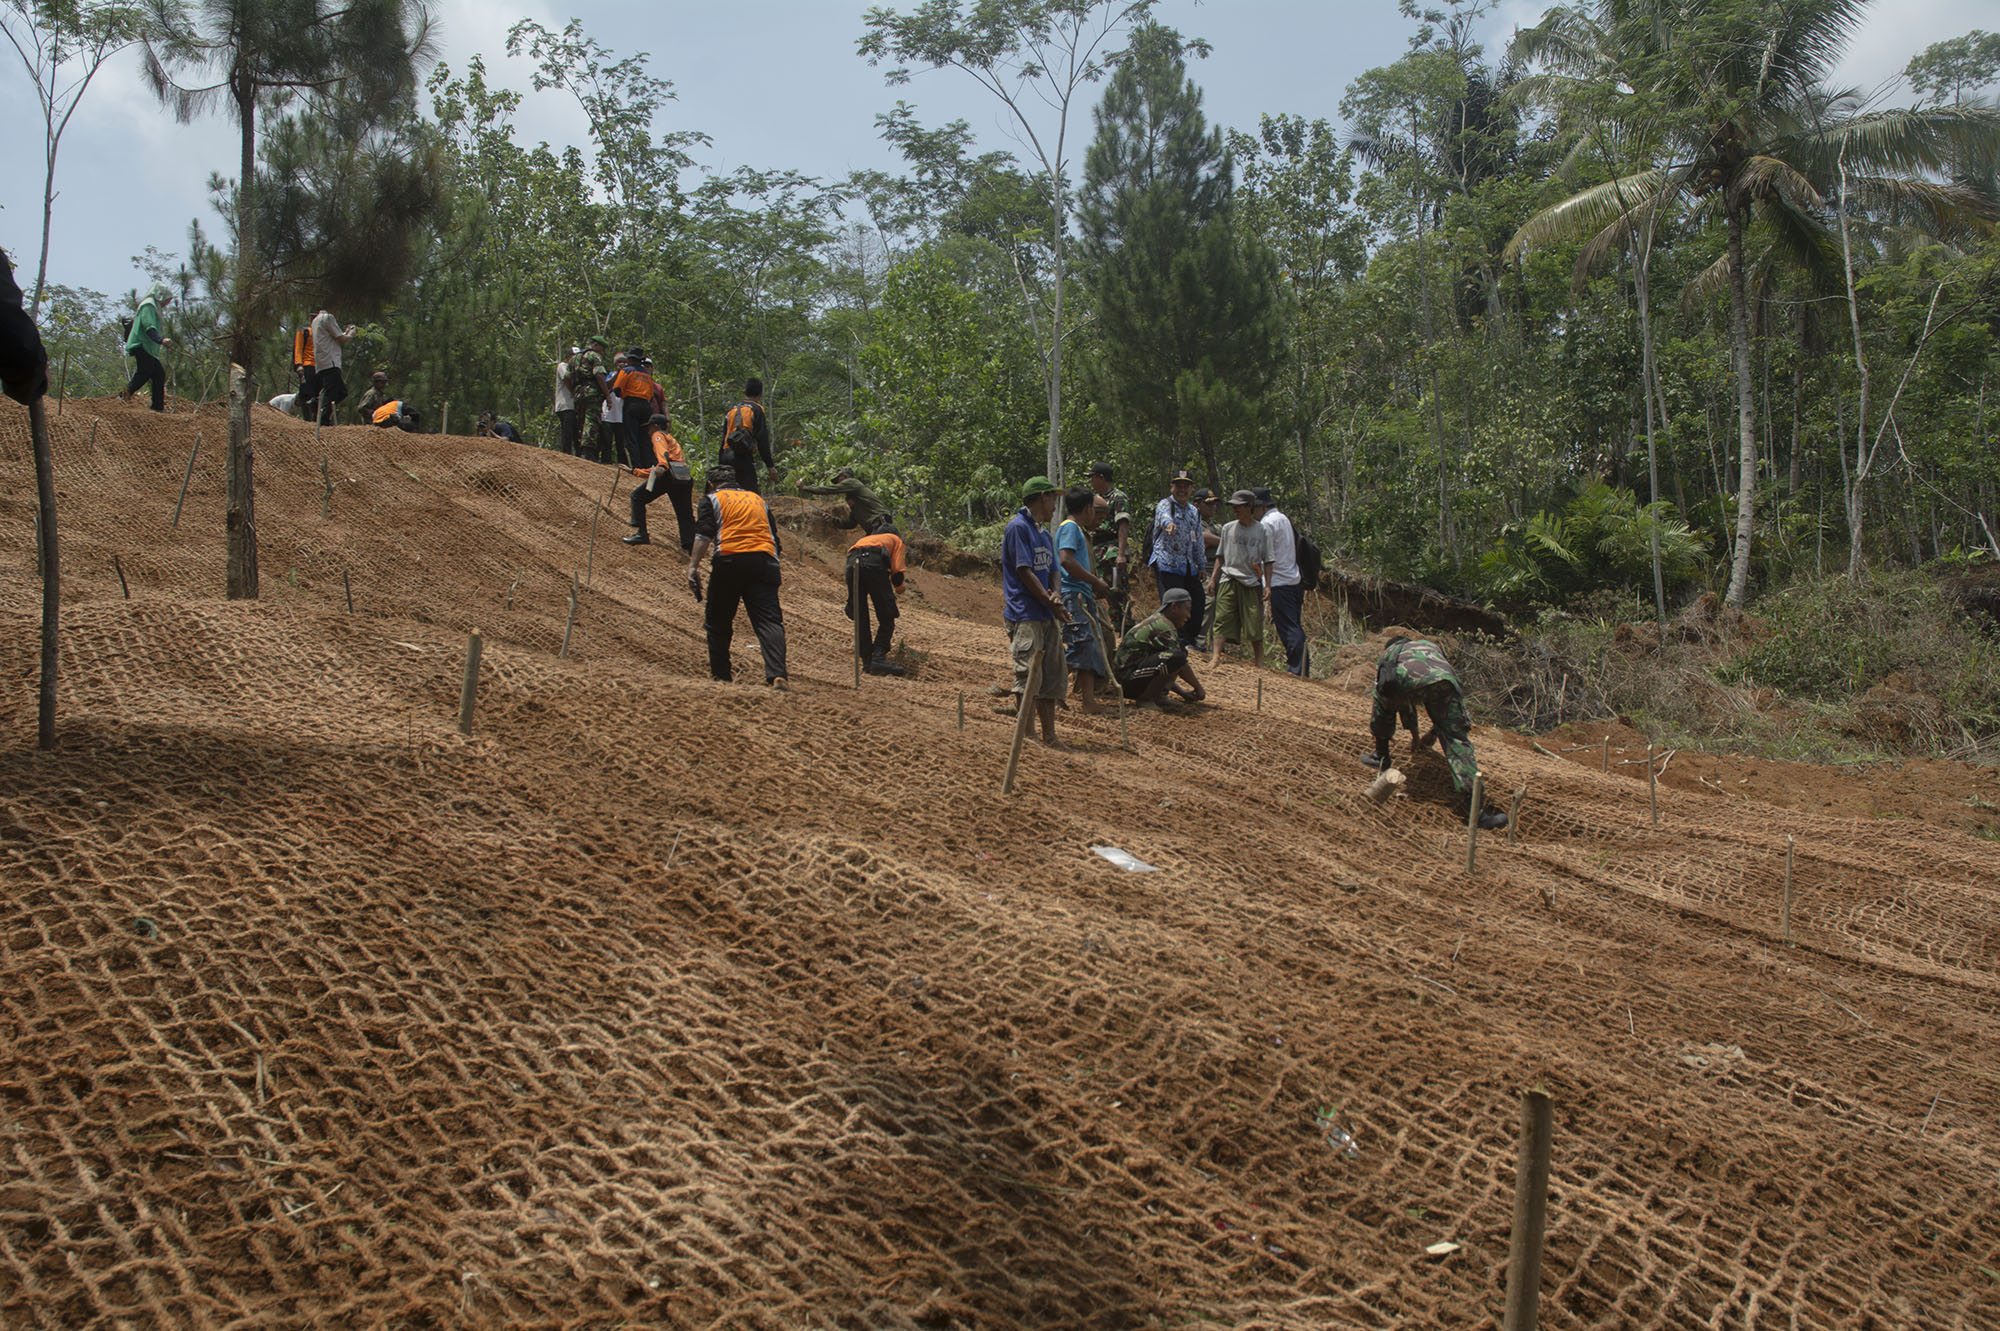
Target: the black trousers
(1287, 610)
(1149, 678)
(752, 582)
(567, 437)
(682, 495)
(638, 452)
(868, 582)
(147, 371)
(1197, 591)
(332, 391)
(610, 441)
(746, 471)
(308, 391)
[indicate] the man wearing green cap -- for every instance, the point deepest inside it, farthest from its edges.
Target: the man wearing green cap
(1028, 583)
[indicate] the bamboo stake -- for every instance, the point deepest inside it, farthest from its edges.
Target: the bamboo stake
(1788, 889)
(326, 494)
(961, 710)
(1514, 812)
(854, 605)
(62, 383)
(1531, 1199)
(590, 562)
(185, 479)
(444, 426)
(93, 432)
(571, 621)
(1260, 693)
(469, 694)
(1472, 825)
(1024, 716)
(122, 585)
(1652, 785)
(1606, 765)
(347, 588)
(48, 558)
(510, 590)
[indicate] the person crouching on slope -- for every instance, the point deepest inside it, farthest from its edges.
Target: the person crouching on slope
(875, 574)
(1412, 671)
(669, 475)
(735, 523)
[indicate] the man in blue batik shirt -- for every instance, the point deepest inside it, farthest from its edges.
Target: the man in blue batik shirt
(1180, 555)
(1028, 584)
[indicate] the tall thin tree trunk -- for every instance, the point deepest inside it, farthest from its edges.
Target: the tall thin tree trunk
(49, 551)
(242, 500)
(1641, 280)
(1055, 458)
(1746, 414)
(1858, 478)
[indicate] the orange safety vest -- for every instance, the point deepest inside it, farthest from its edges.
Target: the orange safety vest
(886, 541)
(633, 383)
(302, 347)
(388, 411)
(666, 448)
(745, 527)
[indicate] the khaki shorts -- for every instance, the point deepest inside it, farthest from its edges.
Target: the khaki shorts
(1239, 612)
(1025, 636)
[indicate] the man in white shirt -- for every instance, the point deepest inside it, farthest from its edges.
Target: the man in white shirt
(328, 338)
(567, 436)
(1287, 595)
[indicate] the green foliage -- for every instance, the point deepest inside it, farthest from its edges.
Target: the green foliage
(1601, 541)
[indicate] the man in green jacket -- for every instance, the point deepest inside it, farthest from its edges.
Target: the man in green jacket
(144, 344)
(864, 506)
(1412, 671)
(1152, 659)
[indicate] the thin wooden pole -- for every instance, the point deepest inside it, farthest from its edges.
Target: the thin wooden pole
(590, 561)
(185, 479)
(1514, 813)
(48, 555)
(1025, 714)
(347, 588)
(469, 693)
(569, 623)
(1652, 786)
(122, 584)
(62, 383)
(326, 493)
(1124, 734)
(1472, 825)
(961, 709)
(1788, 889)
(1260, 692)
(510, 590)
(444, 426)
(1605, 766)
(1531, 1200)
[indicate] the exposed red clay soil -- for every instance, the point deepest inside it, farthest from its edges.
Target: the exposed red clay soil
(664, 1002)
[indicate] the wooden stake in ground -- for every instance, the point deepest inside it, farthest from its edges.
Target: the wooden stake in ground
(961, 710)
(1024, 714)
(1652, 786)
(1472, 825)
(62, 382)
(242, 510)
(122, 586)
(1788, 889)
(1514, 813)
(1605, 766)
(326, 491)
(184, 480)
(569, 623)
(469, 693)
(1260, 692)
(348, 589)
(1531, 1202)
(590, 560)
(46, 553)
(444, 426)
(510, 590)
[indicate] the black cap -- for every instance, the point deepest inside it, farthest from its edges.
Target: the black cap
(1182, 475)
(1204, 493)
(1101, 469)
(1263, 493)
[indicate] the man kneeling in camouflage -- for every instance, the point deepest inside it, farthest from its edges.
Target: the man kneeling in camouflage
(1412, 671)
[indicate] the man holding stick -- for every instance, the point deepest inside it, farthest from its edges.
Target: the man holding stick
(1032, 610)
(1412, 671)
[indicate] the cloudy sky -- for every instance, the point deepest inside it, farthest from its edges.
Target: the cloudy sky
(129, 176)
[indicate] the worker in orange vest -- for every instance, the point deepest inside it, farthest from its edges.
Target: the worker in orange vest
(669, 475)
(737, 525)
(875, 565)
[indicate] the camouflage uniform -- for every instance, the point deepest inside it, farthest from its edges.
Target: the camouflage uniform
(364, 410)
(1413, 671)
(584, 372)
(1106, 538)
(864, 506)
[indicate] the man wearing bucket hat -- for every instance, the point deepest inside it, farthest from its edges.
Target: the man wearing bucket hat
(1032, 610)
(1241, 581)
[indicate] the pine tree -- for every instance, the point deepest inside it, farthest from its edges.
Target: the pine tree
(1186, 307)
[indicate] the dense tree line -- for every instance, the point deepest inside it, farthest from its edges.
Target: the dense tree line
(1637, 305)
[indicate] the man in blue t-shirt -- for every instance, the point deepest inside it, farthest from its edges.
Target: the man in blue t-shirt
(1086, 635)
(1027, 582)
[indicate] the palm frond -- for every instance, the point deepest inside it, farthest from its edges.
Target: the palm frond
(1586, 212)
(1766, 177)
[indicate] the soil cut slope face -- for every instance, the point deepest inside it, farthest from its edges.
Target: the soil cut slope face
(666, 1002)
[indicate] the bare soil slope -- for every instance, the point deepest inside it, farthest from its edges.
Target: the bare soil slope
(664, 1002)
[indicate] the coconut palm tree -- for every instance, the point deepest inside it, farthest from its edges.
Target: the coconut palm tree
(1727, 99)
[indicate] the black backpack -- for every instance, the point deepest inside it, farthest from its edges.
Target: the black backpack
(1311, 562)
